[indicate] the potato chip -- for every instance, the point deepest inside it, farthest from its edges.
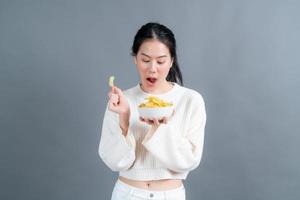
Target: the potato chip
(154, 102)
(111, 81)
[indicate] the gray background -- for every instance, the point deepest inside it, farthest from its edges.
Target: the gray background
(56, 56)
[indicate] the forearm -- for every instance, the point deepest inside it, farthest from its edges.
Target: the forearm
(150, 133)
(124, 122)
(115, 149)
(178, 149)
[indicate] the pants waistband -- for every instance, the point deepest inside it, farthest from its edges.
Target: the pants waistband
(143, 193)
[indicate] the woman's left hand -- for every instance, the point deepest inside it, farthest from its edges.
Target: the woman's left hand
(156, 122)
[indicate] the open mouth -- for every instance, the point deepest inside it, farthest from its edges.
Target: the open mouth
(151, 80)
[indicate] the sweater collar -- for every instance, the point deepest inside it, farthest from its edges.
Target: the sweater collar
(170, 92)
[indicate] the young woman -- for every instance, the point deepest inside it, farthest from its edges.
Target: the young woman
(153, 156)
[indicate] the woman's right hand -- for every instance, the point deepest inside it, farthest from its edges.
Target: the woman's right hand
(118, 104)
(117, 101)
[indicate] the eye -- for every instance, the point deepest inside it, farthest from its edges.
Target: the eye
(160, 62)
(146, 61)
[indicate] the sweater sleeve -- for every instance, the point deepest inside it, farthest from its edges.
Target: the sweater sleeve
(116, 151)
(180, 151)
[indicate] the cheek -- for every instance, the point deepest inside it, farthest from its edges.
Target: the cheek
(166, 69)
(141, 67)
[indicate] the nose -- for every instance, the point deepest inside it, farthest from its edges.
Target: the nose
(152, 67)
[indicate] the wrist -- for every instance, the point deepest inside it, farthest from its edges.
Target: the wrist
(150, 133)
(124, 130)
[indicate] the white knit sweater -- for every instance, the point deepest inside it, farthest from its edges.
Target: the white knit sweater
(174, 149)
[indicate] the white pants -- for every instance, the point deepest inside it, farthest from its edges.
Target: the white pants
(123, 191)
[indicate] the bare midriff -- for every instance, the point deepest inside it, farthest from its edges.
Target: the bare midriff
(165, 184)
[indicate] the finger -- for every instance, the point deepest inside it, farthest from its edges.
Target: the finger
(109, 94)
(118, 91)
(165, 120)
(113, 101)
(155, 122)
(112, 107)
(142, 119)
(149, 121)
(114, 98)
(112, 91)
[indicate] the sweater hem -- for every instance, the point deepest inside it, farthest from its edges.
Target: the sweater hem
(152, 174)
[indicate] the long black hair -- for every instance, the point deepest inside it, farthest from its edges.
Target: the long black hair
(165, 35)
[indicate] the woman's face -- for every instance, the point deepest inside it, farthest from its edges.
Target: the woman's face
(153, 62)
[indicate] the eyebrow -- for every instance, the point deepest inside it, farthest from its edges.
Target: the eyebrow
(150, 56)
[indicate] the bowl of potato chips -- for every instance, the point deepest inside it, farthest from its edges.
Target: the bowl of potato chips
(155, 108)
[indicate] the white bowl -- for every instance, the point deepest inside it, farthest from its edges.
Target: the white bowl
(156, 113)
